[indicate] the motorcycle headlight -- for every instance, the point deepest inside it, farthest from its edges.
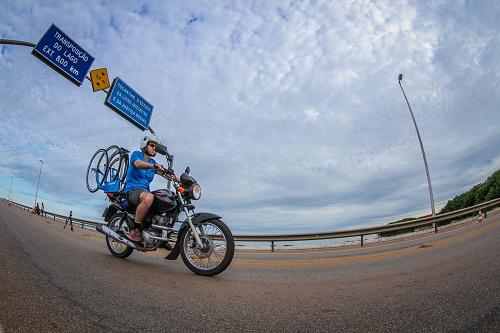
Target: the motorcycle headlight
(196, 191)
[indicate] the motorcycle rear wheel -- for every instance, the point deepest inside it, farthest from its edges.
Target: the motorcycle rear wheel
(217, 251)
(118, 249)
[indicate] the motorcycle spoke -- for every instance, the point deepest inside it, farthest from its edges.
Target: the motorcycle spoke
(214, 249)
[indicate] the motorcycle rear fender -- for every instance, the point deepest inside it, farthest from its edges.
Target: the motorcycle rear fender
(196, 219)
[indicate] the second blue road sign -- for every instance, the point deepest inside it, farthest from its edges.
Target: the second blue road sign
(129, 104)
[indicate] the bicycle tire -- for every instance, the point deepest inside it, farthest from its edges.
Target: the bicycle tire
(112, 151)
(122, 153)
(125, 163)
(93, 172)
(117, 170)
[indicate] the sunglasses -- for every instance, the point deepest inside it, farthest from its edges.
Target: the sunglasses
(152, 145)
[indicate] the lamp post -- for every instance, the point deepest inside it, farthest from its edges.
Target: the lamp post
(400, 78)
(10, 187)
(39, 174)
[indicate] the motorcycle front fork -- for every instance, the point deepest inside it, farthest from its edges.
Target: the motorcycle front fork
(191, 225)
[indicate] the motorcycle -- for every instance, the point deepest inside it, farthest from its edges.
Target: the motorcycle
(203, 240)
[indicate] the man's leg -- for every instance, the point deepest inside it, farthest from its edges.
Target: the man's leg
(145, 201)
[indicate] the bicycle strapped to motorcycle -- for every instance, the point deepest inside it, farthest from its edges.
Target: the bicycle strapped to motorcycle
(203, 240)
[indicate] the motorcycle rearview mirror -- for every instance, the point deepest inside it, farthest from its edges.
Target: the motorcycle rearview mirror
(161, 149)
(188, 170)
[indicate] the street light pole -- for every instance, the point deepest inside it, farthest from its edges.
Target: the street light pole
(400, 78)
(39, 174)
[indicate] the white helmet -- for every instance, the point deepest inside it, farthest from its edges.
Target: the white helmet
(149, 138)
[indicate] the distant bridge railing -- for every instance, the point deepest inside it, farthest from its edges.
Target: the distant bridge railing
(53, 216)
(361, 232)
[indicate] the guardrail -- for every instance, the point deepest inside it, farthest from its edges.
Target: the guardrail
(361, 232)
(438, 219)
(53, 216)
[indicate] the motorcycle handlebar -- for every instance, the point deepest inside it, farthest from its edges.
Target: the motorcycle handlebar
(168, 175)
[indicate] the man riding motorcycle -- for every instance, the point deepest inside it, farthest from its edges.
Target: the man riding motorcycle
(140, 174)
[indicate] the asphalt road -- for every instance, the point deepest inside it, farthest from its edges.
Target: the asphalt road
(54, 280)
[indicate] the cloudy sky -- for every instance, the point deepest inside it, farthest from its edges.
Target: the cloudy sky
(289, 113)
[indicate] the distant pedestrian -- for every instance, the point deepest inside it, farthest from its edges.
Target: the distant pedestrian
(70, 220)
(37, 209)
(480, 217)
(42, 211)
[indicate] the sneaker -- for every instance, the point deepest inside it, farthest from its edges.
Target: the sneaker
(135, 235)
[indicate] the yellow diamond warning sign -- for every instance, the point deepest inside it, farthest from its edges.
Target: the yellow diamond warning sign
(99, 78)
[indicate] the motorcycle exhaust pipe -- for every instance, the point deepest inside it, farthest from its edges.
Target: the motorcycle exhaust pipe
(104, 229)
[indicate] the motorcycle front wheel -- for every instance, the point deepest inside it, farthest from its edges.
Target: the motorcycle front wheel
(216, 252)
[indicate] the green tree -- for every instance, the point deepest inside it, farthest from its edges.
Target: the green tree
(486, 191)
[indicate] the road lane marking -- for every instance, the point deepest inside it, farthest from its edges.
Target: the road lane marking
(365, 257)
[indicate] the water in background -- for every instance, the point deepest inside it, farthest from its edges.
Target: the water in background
(306, 244)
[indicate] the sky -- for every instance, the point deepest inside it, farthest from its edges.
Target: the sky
(289, 113)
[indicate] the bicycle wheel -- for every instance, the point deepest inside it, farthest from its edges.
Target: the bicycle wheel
(124, 164)
(117, 170)
(120, 168)
(113, 151)
(96, 170)
(118, 165)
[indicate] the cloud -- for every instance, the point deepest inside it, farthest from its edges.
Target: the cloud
(286, 112)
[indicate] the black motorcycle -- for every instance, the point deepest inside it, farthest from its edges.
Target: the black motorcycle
(204, 242)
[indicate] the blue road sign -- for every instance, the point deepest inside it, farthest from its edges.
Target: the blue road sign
(61, 53)
(129, 104)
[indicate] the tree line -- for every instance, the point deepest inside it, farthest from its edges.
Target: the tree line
(486, 191)
(482, 192)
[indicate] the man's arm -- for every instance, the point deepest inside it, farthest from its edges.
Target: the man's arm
(146, 165)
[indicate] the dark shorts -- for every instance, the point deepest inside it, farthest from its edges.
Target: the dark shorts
(133, 196)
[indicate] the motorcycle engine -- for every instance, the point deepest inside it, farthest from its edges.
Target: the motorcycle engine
(147, 237)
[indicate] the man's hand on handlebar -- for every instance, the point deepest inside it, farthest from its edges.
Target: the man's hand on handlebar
(160, 169)
(169, 174)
